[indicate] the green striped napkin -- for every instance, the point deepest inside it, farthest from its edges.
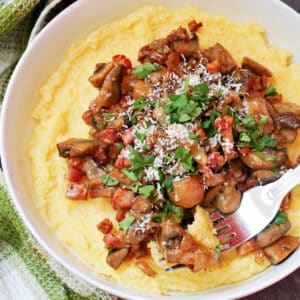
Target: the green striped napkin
(26, 270)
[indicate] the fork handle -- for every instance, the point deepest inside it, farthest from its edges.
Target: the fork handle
(285, 183)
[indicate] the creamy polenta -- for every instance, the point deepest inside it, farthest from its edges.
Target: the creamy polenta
(66, 95)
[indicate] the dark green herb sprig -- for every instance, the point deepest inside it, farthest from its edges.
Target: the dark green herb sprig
(280, 218)
(142, 71)
(209, 124)
(186, 159)
(167, 211)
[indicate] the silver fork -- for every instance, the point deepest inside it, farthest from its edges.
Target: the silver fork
(258, 207)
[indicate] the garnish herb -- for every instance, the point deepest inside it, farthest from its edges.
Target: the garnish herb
(146, 190)
(194, 137)
(270, 91)
(107, 115)
(142, 71)
(141, 136)
(168, 183)
(109, 181)
(109, 250)
(184, 155)
(209, 124)
(130, 174)
(126, 223)
(280, 218)
(119, 145)
(218, 251)
(146, 147)
(139, 103)
(168, 209)
(275, 170)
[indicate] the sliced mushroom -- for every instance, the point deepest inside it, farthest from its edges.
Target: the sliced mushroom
(100, 73)
(187, 48)
(265, 176)
(266, 159)
(288, 121)
(243, 77)
(256, 67)
(115, 258)
(272, 233)
(286, 108)
(281, 249)
(228, 200)
(76, 148)
(171, 235)
(228, 64)
(97, 189)
(187, 192)
(110, 91)
(211, 194)
(285, 136)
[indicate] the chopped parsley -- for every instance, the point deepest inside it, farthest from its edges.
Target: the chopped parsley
(142, 71)
(194, 137)
(209, 124)
(168, 183)
(147, 190)
(168, 210)
(186, 159)
(270, 91)
(141, 136)
(218, 251)
(140, 103)
(280, 218)
(126, 223)
(109, 181)
(107, 115)
(119, 145)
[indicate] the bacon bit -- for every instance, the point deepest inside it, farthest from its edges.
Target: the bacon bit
(113, 240)
(145, 268)
(194, 26)
(260, 257)
(74, 171)
(100, 156)
(252, 182)
(247, 247)
(285, 204)
(120, 215)
(128, 137)
(124, 102)
(214, 66)
(259, 83)
(224, 123)
(122, 163)
(108, 136)
(215, 160)
(245, 150)
(87, 117)
(123, 198)
(124, 61)
(173, 60)
(105, 226)
(77, 191)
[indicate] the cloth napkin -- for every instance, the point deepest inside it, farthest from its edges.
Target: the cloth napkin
(26, 270)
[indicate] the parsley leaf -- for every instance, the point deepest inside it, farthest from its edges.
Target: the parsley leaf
(119, 145)
(142, 71)
(280, 218)
(168, 183)
(194, 137)
(130, 174)
(126, 223)
(218, 251)
(107, 115)
(270, 91)
(265, 157)
(184, 155)
(249, 122)
(139, 103)
(146, 190)
(209, 124)
(109, 181)
(177, 210)
(141, 136)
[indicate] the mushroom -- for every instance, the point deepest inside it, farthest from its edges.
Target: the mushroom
(76, 147)
(265, 176)
(286, 108)
(100, 73)
(272, 233)
(288, 121)
(228, 64)
(186, 48)
(266, 159)
(228, 200)
(281, 249)
(115, 258)
(187, 192)
(285, 136)
(110, 91)
(256, 67)
(91, 169)
(243, 77)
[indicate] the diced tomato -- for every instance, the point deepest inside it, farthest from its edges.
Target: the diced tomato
(128, 137)
(112, 240)
(214, 66)
(100, 156)
(194, 26)
(77, 191)
(108, 136)
(123, 198)
(247, 247)
(124, 61)
(87, 117)
(74, 171)
(245, 150)
(120, 215)
(105, 226)
(215, 160)
(224, 122)
(122, 163)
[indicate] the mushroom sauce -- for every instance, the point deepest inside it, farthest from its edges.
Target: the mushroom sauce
(185, 127)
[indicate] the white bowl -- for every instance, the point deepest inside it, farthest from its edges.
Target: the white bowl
(42, 58)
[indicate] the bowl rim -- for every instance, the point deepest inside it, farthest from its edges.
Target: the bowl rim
(51, 250)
